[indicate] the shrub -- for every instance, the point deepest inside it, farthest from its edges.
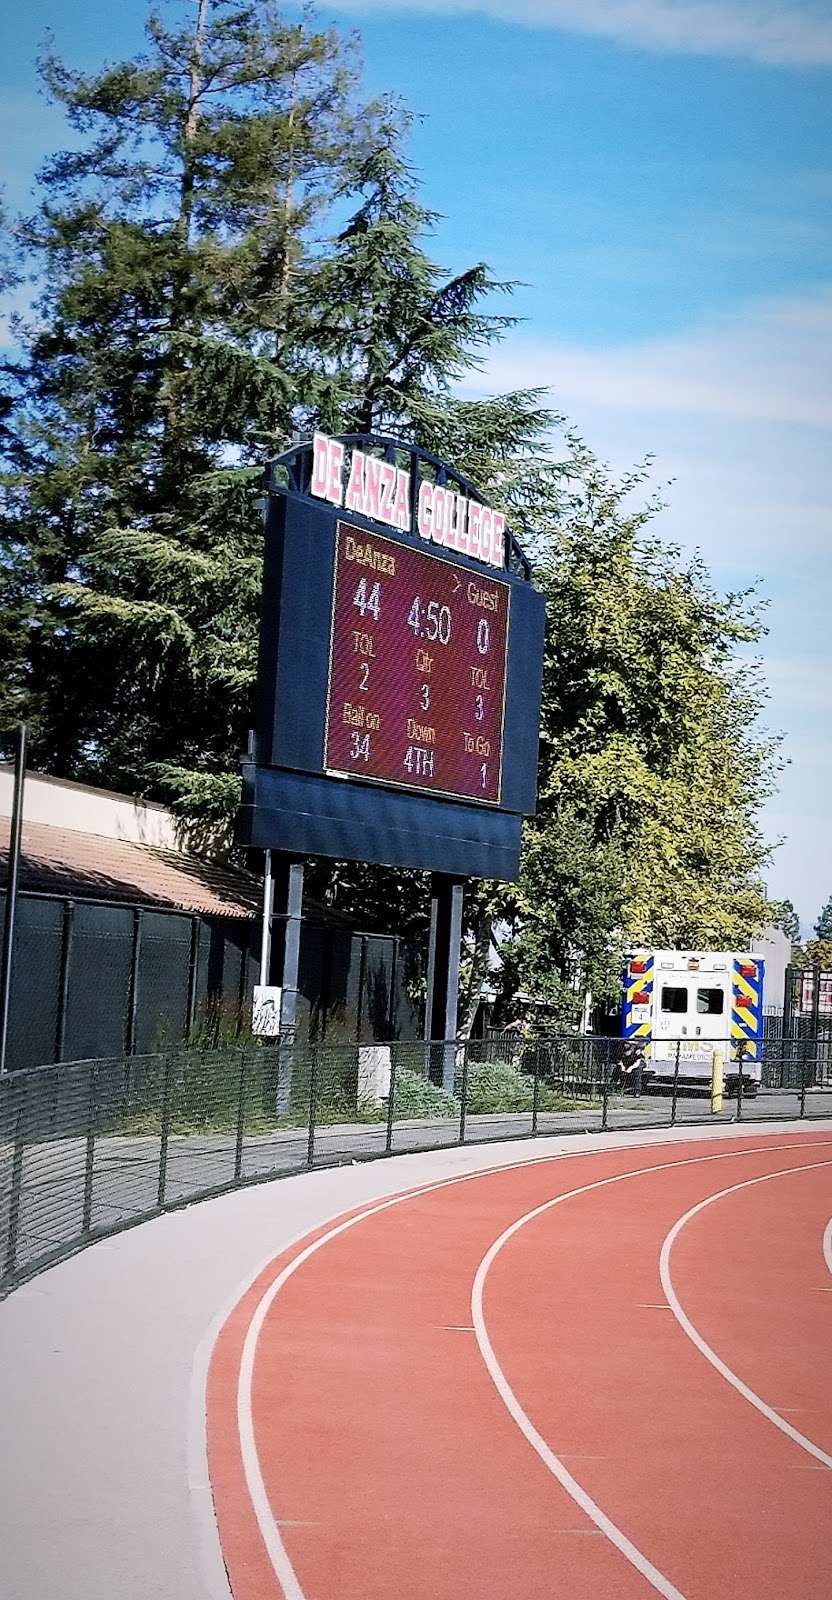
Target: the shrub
(496, 1086)
(416, 1096)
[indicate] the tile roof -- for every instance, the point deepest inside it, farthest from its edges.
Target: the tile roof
(61, 861)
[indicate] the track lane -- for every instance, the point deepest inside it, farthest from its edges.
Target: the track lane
(704, 1486)
(747, 1274)
(388, 1465)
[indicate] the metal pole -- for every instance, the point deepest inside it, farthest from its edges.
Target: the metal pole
(16, 1183)
(391, 1100)
(89, 1160)
(443, 969)
(463, 1100)
(675, 1100)
(291, 951)
(241, 1119)
(431, 972)
(11, 891)
(164, 1131)
(266, 931)
(815, 1025)
(717, 1081)
(63, 980)
(193, 974)
(133, 994)
(313, 1094)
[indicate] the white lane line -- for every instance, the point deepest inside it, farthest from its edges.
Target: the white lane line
(556, 1464)
(695, 1336)
(266, 1521)
(827, 1244)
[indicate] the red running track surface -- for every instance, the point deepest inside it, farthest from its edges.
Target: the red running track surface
(379, 1458)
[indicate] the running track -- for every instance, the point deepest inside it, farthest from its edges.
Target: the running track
(600, 1377)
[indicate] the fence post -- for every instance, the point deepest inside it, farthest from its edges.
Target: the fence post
(133, 989)
(16, 1186)
(391, 1100)
(464, 1093)
(241, 1119)
(89, 1163)
(10, 911)
(803, 1086)
(717, 1082)
(605, 1086)
(164, 1133)
(536, 1089)
(740, 1061)
(313, 1094)
(63, 978)
(675, 1098)
(193, 974)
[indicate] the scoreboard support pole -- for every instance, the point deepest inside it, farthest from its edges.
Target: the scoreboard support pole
(289, 894)
(442, 1003)
(283, 897)
(266, 928)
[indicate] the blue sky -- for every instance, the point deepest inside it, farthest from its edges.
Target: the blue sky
(658, 174)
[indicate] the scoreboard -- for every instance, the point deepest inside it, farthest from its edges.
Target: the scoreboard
(417, 672)
(399, 679)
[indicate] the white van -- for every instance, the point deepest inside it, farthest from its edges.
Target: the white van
(695, 1001)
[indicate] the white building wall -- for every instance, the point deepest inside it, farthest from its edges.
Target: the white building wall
(84, 810)
(775, 948)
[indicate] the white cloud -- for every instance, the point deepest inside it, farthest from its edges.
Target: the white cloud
(738, 414)
(795, 33)
(770, 364)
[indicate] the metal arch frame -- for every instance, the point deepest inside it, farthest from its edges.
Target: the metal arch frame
(297, 465)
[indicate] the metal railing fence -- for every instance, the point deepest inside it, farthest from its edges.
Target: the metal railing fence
(90, 1147)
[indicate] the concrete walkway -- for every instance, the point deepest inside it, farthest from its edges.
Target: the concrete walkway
(103, 1488)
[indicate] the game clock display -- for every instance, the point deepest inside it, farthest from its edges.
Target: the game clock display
(417, 669)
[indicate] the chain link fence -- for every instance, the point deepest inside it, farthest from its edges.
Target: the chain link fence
(89, 1147)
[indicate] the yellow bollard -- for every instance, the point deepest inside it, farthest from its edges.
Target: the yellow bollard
(716, 1081)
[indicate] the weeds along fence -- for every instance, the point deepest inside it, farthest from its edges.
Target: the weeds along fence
(90, 1147)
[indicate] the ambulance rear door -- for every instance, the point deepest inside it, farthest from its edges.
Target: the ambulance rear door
(692, 1000)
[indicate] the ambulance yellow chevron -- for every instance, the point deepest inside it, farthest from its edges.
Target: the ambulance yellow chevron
(635, 1025)
(746, 1007)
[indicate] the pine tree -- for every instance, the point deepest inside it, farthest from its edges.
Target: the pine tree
(392, 330)
(163, 368)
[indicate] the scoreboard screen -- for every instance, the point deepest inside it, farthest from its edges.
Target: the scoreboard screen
(417, 669)
(401, 652)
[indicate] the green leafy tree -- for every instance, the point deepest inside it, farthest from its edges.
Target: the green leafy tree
(823, 926)
(782, 915)
(652, 768)
(819, 952)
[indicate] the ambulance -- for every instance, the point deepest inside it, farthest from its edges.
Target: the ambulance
(696, 1002)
